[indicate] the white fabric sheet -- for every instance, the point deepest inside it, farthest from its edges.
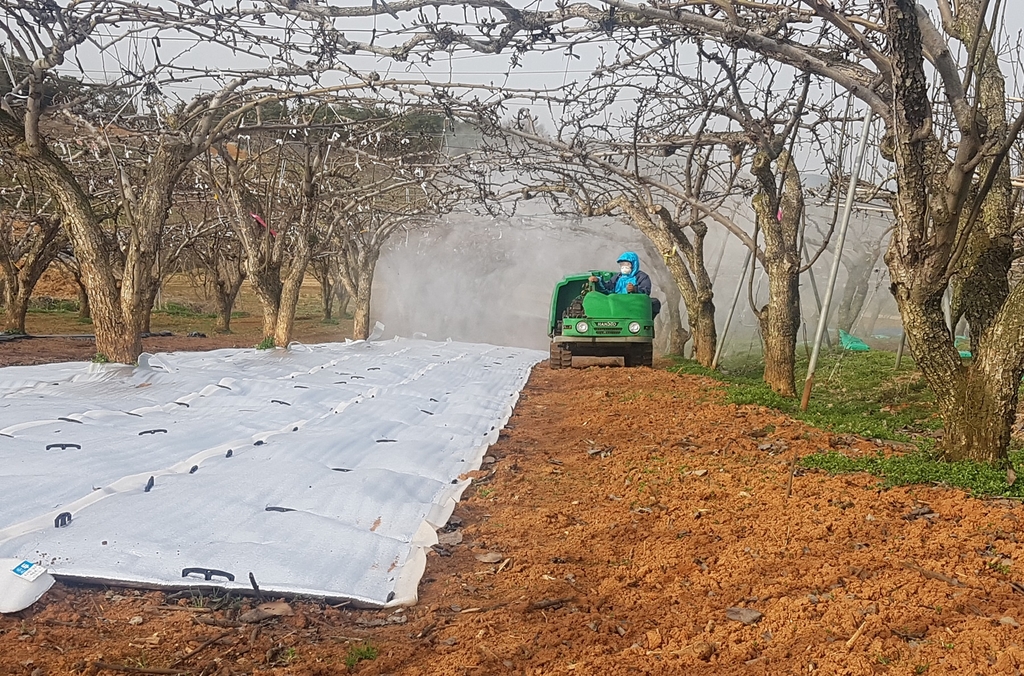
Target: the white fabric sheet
(357, 448)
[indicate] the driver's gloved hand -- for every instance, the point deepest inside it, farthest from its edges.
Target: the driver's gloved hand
(631, 288)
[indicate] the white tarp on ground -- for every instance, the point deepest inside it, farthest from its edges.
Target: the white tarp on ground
(321, 470)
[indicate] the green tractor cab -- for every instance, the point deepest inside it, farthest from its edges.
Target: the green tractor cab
(587, 323)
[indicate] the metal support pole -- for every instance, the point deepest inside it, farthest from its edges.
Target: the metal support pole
(732, 310)
(899, 351)
(817, 296)
(851, 193)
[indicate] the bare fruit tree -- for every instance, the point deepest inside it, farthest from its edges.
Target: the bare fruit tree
(218, 254)
(947, 139)
(271, 193)
(403, 183)
(323, 267)
(585, 169)
(759, 130)
(679, 158)
(30, 240)
(336, 182)
(144, 100)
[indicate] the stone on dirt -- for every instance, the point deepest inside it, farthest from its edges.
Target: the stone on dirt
(744, 615)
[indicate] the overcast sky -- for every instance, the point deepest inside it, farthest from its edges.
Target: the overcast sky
(551, 68)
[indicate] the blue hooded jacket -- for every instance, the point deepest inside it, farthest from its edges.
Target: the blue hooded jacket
(636, 277)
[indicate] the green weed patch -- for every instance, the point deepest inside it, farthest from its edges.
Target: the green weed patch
(920, 467)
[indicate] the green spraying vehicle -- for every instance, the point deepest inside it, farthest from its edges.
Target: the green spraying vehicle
(587, 323)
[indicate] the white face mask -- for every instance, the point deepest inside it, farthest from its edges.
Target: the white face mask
(625, 268)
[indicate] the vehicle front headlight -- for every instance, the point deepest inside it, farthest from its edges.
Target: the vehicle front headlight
(582, 327)
(634, 327)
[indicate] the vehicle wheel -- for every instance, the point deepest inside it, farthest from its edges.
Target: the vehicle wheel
(561, 357)
(641, 355)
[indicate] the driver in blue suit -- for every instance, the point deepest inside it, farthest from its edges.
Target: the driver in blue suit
(630, 279)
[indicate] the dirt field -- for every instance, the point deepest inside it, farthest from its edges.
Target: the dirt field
(626, 518)
(184, 309)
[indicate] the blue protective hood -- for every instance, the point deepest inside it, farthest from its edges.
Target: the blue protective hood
(630, 257)
(623, 280)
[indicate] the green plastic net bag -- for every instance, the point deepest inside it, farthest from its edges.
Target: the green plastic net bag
(852, 343)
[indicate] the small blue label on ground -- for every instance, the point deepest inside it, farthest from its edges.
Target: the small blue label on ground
(28, 571)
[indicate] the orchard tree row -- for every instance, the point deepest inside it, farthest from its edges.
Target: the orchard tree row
(689, 114)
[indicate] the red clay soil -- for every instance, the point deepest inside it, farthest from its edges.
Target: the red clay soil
(627, 512)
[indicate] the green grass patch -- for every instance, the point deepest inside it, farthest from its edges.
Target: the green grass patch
(266, 344)
(173, 309)
(854, 393)
(358, 653)
(45, 304)
(920, 467)
(862, 393)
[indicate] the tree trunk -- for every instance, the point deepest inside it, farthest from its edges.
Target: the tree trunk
(671, 338)
(978, 401)
(327, 298)
(780, 221)
(780, 323)
(981, 283)
(225, 304)
(266, 284)
(936, 193)
(291, 286)
(118, 337)
(868, 329)
(22, 267)
(148, 302)
(84, 310)
(688, 270)
(320, 268)
(225, 292)
(677, 335)
(341, 298)
(704, 332)
(264, 253)
(286, 312)
(290, 291)
(140, 279)
(978, 421)
(17, 307)
(117, 302)
(858, 282)
(361, 314)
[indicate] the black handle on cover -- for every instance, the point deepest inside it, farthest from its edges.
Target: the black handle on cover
(208, 573)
